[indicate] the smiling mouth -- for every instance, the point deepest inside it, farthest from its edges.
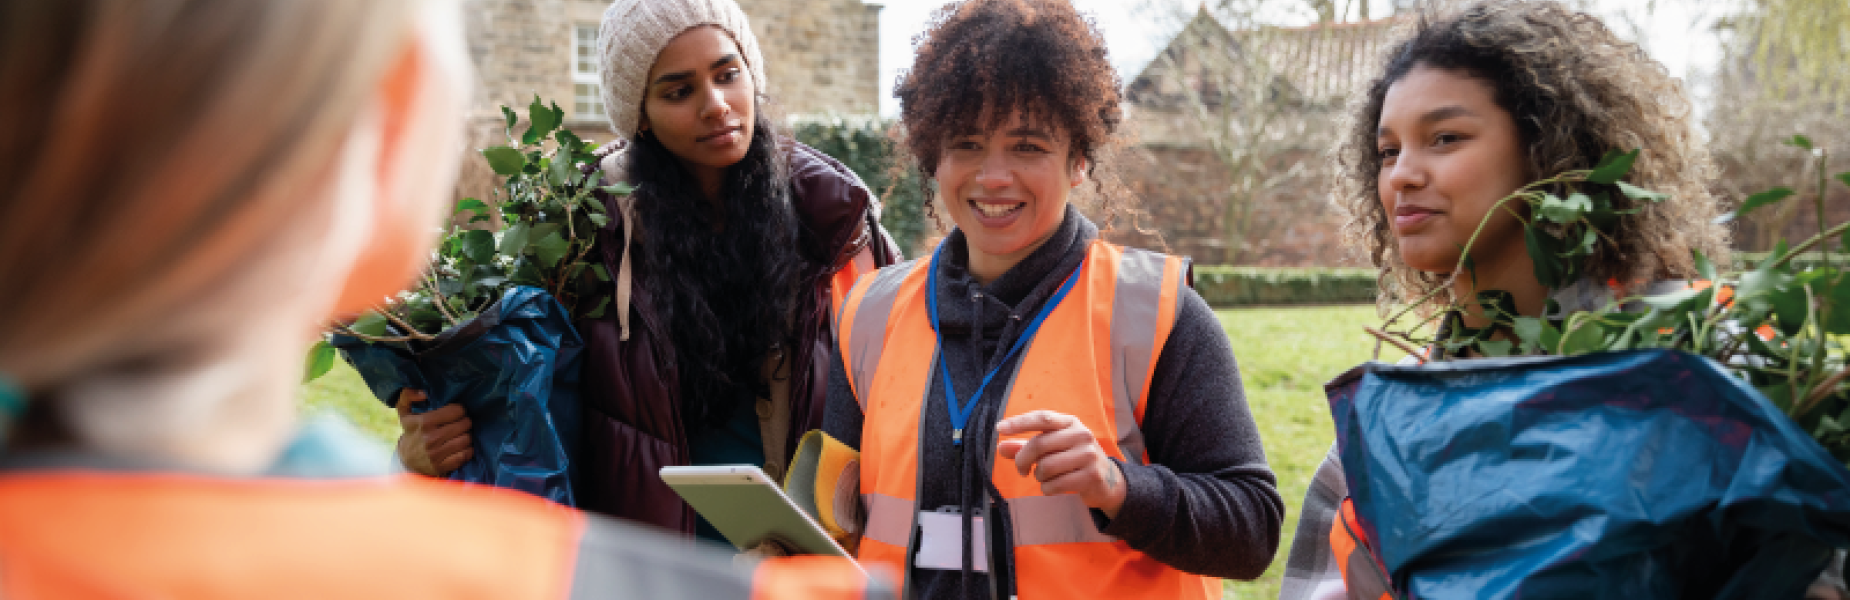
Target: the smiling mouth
(997, 211)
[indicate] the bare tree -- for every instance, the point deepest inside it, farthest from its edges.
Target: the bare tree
(1783, 74)
(1264, 100)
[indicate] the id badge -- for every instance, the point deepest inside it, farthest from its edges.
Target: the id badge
(941, 542)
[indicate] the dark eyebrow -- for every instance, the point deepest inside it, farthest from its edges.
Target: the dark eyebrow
(686, 75)
(1436, 115)
(1030, 132)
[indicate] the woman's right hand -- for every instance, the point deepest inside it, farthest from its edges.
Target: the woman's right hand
(436, 442)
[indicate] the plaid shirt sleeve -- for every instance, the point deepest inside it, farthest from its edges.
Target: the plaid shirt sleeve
(1310, 570)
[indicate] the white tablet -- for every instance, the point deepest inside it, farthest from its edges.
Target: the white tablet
(748, 508)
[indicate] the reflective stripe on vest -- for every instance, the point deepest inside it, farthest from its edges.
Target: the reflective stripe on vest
(1363, 575)
(1112, 326)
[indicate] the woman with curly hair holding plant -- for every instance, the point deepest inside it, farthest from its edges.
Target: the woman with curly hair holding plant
(1469, 108)
(1040, 414)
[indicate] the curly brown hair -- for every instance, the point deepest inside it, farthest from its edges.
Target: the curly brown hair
(1575, 91)
(980, 62)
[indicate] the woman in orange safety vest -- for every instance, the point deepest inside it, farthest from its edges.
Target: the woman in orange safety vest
(1039, 413)
(192, 188)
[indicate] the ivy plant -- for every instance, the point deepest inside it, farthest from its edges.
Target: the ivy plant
(1780, 324)
(537, 230)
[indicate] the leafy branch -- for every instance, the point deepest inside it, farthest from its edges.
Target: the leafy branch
(1781, 327)
(539, 230)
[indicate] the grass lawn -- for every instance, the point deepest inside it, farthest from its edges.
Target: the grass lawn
(1285, 355)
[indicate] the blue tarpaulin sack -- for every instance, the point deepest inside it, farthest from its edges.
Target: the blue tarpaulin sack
(514, 368)
(1635, 475)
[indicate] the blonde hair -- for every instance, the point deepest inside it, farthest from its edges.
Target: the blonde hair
(165, 173)
(1576, 91)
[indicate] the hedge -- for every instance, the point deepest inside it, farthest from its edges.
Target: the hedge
(1226, 286)
(863, 146)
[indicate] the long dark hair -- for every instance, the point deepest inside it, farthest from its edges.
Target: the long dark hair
(724, 283)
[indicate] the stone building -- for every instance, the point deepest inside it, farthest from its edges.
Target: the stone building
(822, 58)
(1234, 129)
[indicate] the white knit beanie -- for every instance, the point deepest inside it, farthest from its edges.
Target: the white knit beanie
(635, 31)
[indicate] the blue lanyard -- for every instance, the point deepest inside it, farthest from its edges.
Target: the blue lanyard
(960, 412)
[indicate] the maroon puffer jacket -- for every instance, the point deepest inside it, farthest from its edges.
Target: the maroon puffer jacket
(630, 390)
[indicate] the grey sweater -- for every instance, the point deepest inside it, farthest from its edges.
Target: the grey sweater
(1207, 503)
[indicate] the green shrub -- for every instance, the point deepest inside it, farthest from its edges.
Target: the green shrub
(862, 144)
(1224, 286)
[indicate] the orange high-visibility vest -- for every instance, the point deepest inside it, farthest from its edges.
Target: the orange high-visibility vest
(88, 534)
(1091, 359)
(1363, 575)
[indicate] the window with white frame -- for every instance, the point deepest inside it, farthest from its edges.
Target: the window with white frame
(587, 100)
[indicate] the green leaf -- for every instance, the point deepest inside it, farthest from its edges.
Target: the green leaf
(1836, 312)
(1827, 426)
(541, 122)
(1613, 167)
(602, 274)
(1589, 337)
(507, 162)
(371, 323)
(1495, 348)
(1779, 393)
(541, 230)
(514, 240)
(1756, 201)
(603, 303)
(1758, 283)
(1679, 299)
(478, 246)
(471, 204)
(1548, 270)
(562, 171)
(1845, 178)
(1800, 142)
(1538, 334)
(1704, 268)
(1789, 308)
(524, 273)
(1552, 208)
(569, 143)
(619, 189)
(511, 119)
(598, 219)
(550, 250)
(320, 361)
(1638, 193)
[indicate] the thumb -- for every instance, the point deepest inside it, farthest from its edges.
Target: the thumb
(407, 397)
(1009, 448)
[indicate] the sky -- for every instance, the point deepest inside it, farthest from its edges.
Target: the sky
(1675, 32)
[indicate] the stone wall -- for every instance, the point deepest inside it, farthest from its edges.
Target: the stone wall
(823, 56)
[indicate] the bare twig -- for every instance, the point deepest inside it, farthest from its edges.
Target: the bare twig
(1818, 394)
(1385, 337)
(346, 331)
(412, 332)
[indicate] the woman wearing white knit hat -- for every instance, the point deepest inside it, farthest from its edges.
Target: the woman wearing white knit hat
(729, 258)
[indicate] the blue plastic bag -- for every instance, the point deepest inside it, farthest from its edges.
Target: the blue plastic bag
(515, 369)
(1645, 474)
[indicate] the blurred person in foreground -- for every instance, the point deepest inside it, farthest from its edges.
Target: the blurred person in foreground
(192, 188)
